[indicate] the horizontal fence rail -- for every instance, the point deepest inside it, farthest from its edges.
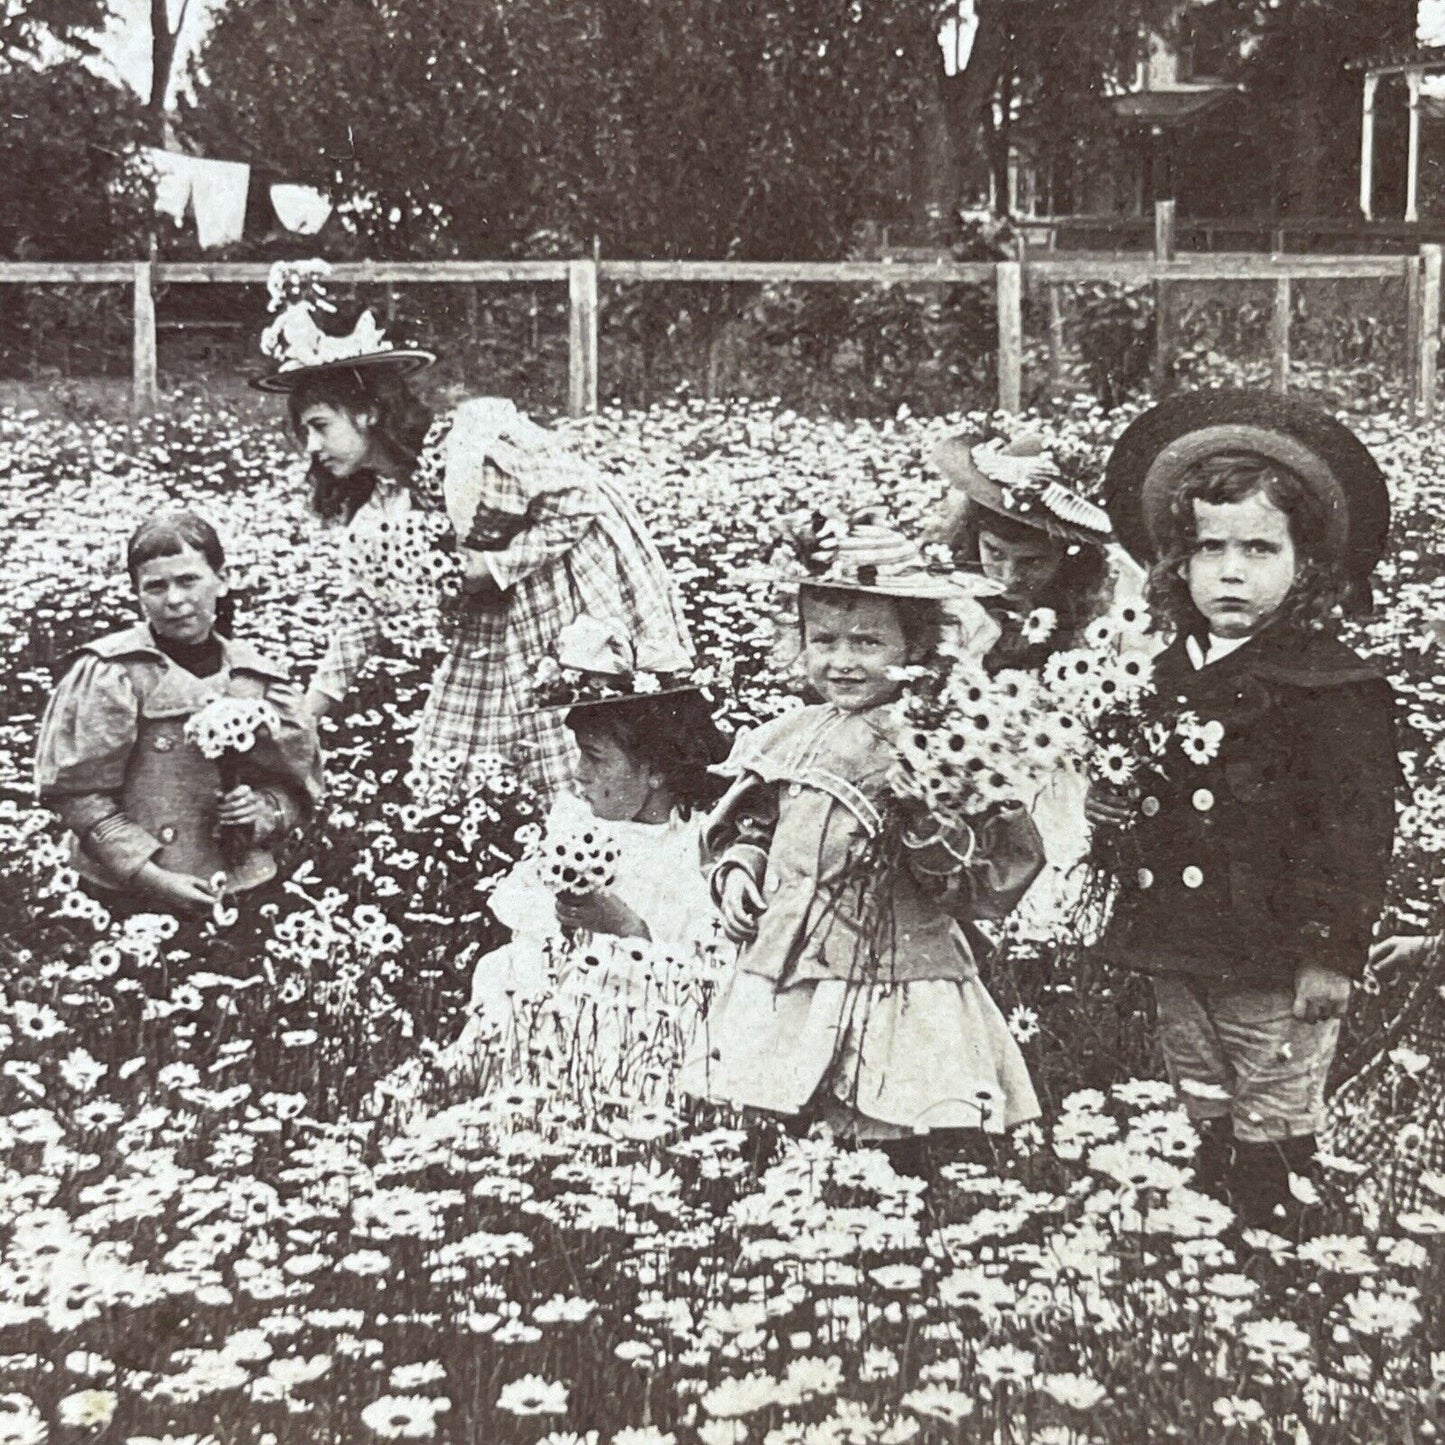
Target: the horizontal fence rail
(1010, 280)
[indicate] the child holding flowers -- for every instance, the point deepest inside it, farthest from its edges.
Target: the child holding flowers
(621, 856)
(125, 756)
(856, 998)
(1011, 513)
(1260, 824)
(476, 528)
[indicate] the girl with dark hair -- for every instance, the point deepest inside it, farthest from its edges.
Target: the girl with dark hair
(540, 538)
(144, 808)
(341, 414)
(1010, 515)
(647, 745)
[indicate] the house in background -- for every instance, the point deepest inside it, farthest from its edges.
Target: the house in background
(1410, 81)
(1179, 131)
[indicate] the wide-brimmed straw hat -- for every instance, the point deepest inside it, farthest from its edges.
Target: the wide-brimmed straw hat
(1019, 480)
(862, 554)
(595, 663)
(1158, 449)
(303, 349)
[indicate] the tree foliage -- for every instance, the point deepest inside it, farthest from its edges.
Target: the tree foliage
(70, 189)
(661, 127)
(1304, 100)
(1040, 72)
(31, 29)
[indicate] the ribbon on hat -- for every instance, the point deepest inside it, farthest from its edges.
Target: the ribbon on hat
(294, 339)
(1026, 474)
(1016, 471)
(597, 645)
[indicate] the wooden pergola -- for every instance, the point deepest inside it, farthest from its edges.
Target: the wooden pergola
(1414, 65)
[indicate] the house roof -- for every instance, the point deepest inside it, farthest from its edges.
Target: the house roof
(1168, 107)
(1404, 57)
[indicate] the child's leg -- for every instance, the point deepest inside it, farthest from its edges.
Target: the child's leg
(1198, 1067)
(1280, 1065)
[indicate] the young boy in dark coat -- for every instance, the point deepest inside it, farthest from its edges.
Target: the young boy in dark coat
(1263, 838)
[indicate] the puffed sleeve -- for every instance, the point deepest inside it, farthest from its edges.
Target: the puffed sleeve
(513, 494)
(555, 524)
(739, 832)
(86, 738)
(982, 871)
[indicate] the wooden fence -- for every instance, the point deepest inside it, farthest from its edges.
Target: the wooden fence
(1421, 274)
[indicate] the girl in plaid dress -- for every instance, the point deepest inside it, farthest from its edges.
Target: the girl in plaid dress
(541, 539)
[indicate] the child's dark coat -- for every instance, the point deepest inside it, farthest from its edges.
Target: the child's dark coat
(1277, 852)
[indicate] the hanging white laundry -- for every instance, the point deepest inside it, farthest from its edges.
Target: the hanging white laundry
(1430, 23)
(173, 182)
(302, 209)
(218, 197)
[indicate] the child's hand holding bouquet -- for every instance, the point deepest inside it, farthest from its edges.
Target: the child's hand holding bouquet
(224, 731)
(579, 865)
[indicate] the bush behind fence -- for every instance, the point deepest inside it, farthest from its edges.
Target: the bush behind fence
(844, 347)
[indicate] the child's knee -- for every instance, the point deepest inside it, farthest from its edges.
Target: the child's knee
(1281, 1066)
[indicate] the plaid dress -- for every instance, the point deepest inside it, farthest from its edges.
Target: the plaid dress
(1390, 1116)
(559, 540)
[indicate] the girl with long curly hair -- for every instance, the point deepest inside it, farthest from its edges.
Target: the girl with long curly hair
(538, 539)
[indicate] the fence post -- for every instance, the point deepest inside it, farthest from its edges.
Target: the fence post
(1163, 310)
(582, 338)
(1429, 327)
(1279, 319)
(1411, 370)
(143, 340)
(1056, 335)
(1008, 282)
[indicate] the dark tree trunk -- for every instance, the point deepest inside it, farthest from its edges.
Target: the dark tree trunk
(1309, 127)
(163, 58)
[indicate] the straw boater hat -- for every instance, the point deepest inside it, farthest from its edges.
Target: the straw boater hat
(595, 664)
(1020, 481)
(860, 554)
(1156, 451)
(302, 349)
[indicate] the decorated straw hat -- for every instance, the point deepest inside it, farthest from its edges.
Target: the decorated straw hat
(1157, 450)
(595, 663)
(862, 554)
(301, 348)
(1021, 481)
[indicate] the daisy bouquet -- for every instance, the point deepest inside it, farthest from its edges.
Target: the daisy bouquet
(224, 731)
(576, 861)
(1102, 700)
(1105, 700)
(967, 744)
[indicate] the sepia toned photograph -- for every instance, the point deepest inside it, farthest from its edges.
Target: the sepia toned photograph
(722, 724)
